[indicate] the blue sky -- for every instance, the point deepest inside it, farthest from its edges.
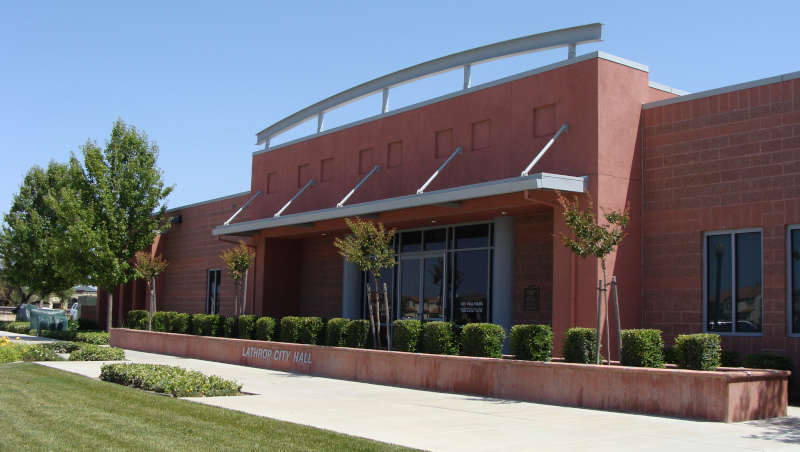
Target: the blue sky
(201, 78)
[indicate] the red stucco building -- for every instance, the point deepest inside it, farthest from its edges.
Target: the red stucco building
(712, 180)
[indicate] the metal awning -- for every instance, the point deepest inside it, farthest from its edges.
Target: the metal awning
(539, 181)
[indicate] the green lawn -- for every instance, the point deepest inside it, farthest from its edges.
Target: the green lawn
(49, 409)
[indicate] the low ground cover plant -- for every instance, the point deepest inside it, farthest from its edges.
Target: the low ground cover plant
(173, 380)
(90, 337)
(532, 342)
(19, 327)
(91, 352)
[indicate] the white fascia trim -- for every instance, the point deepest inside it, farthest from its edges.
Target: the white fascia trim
(540, 181)
(669, 89)
(464, 92)
(222, 198)
(723, 90)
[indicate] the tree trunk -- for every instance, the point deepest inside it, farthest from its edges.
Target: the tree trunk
(616, 310)
(110, 311)
(388, 317)
(597, 336)
(152, 286)
(371, 318)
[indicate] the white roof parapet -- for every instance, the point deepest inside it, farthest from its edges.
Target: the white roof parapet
(534, 43)
(539, 181)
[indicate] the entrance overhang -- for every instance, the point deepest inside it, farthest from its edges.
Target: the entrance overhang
(449, 197)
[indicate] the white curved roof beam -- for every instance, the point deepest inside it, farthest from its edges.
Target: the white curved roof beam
(567, 37)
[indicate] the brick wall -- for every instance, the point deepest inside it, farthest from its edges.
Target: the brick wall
(721, 162)
(321, 279)
(533, 264)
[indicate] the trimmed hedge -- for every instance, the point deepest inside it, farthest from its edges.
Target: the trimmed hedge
(231, 327)
(440, 338)
(89, 352)
(671, 356)
(290, 329)
(19, 327)
(767, 361)
(698, 351)
(160, 321)
(407, 335)
(642, 348)
(729, 359)
(265, 328)
(247, 326)
(577, 346)
(532, 342)
(334, 332)
(312, 331)
(206, 325)
(181, 323)
(137, 319)
(482, 339)
(90, 337)
(356, 334)
(173, 380)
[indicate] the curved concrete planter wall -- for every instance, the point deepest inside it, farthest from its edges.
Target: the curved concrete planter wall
(726, 396)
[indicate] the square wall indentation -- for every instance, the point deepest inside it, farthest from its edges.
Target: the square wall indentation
(544, 121)
(302, 175)
(272, 182)
(444, 143)
(365, 161)
(481, 135)
(395, 154)
(327, 170)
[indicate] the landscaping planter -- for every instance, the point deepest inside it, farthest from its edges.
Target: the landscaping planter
(726, 396)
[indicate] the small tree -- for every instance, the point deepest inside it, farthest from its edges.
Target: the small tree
(238, 260)
(368, 248)
(148, 267)
(594, 239)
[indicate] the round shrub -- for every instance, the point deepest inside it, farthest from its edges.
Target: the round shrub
(699, 351)
(231, 327)
(642, 348)
(482, 339)
(247, 326)
(334, 332)
(265, 328)
(160, 321)
(137, 319)
(181, 323)
(577, 346)
(290, 329)
(532, 342)
(312, 330)
(406, 335)
(356, 334)
(440, 338)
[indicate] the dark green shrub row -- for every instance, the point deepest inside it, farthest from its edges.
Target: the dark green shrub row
(484, 339)
(172, 380)
(230, 327)
(137, 319)
(767, 361)
(642, 348)
(406, 335)
(247, 326)
(440, 338)
(578, 344)
(91, 337)
(19, 327)
(265, 328)
(91, 352)
(532, 342)
(206, 325)
(356, 334)
(334, 332)
(698, 351)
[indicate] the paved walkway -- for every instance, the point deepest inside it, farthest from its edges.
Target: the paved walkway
(451, 422)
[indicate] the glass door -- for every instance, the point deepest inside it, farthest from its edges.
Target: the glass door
(422, 287)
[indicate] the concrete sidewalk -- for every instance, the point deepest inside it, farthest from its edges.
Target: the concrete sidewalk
(451, 422)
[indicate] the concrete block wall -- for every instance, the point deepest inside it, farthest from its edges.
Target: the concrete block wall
(725, 161)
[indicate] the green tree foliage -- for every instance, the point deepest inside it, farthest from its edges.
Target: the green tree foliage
(368, 247)
(590, 238)
(117, 209)
(148, 267)
(238, 260)
(30, 239)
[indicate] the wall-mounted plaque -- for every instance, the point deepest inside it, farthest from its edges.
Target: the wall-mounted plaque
(531, 299)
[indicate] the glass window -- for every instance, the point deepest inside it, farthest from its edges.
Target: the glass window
(435, 239)
(470, 282)
(733, 282)
(794, 280)
(472, 236)
(411, 241)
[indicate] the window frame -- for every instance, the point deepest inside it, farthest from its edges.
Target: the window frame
(789, 294)
(732, 233)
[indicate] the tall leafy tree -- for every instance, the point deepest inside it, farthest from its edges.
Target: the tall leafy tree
(117, 208)
(30, 239)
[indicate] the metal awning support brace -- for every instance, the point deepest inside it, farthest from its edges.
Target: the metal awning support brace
(311, 182)
(242, 208)
(422, 189)
(563, 128)
(374, 170)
